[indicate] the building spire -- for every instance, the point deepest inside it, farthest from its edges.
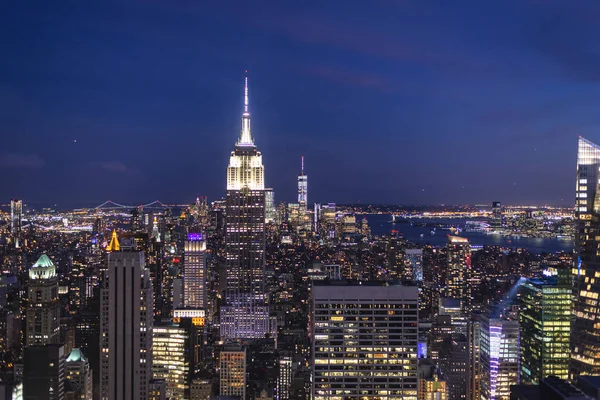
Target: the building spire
(246, 93)
(245, 137)
(302, 165)
(114, 242)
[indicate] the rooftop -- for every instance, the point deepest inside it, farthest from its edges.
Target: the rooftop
(345, 282)
(76, 356)
(43, 268)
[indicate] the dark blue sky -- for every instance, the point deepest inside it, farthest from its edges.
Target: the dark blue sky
(389, 101)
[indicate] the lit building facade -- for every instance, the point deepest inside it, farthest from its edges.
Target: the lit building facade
(194, 271)
(459, 263)
(585, 337)
(79, 375)
(545, 319)
(364, 340)
(126, 326)
(43, 309)
(245, 239)
(269, 205)
(432, 385)
(232, 372)
(171, 359)
(284, 377)
(348, 224)
(496, 219)
(415, 262)
(16, 220)
(500, 356)
(201, 389)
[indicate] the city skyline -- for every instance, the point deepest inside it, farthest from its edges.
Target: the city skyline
(476, 113)
(447, 248)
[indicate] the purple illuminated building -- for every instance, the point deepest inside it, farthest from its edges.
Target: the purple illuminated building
(500, 352)
(194, 272)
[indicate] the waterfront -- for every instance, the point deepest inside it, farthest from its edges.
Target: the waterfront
(380, 225)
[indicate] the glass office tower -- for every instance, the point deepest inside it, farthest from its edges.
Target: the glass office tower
(545, 320)
(585, 337)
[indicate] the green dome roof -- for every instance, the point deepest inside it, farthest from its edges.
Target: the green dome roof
(44, 261)
(43, 268)
(76, 356)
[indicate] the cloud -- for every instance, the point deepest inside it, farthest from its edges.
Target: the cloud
(18, 160)
(114, 166)
(350, 78)
(329, 32)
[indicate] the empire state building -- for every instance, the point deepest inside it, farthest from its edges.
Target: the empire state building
(245, 314)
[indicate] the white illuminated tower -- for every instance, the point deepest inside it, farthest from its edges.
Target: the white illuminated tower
(302, 187)
(245, 314)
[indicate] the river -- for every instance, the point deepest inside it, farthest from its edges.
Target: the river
(380, 225)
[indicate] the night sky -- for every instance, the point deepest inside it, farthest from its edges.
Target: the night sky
(393, 101)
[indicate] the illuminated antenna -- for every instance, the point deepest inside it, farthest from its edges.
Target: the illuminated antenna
(302, 165)
(245, 137)
(246, 94)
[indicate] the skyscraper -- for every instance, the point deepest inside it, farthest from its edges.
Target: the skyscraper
(43, 309)
(585, 336)
(269, 205)
(454, 360)
(459, 263)
(364, 334)
(496, 219)
(415, 260)
(500, 350)
(474, 339)
(44, 372)
(302, 187)
(284, 376)
(126, 326)
(232, 372)
(173, 358)
(245, 214)
(79, 375)
(194, 271)
(545, 319)
(16, 220)
(243, 315)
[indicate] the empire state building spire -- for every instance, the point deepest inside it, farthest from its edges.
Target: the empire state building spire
(245, 137)
(245, 164)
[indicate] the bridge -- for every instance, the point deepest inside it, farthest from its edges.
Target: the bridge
(33, 224)
(111, 205)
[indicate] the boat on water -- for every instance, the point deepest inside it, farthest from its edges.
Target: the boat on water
(398, 220)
